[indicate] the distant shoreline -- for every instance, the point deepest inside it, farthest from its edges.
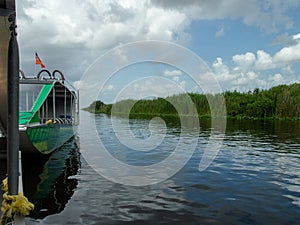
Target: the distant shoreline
(278, 103)
(151, 115)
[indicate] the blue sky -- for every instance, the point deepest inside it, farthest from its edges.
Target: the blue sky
(246, 44)
(225, 38)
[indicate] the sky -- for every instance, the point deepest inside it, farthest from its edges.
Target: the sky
(244, 44)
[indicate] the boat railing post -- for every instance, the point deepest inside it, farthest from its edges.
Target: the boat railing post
(65, 106)
(33, 98)
(71, 107)
(42, 113)
(27, 101)
(47, 113)
(54, 112)
(77, 109)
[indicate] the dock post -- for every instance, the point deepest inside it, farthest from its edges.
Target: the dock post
(13, 108)
(10, 91)
(8, 12)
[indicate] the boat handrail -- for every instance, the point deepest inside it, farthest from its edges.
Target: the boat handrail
(44, 70)
(22, 74)
(60, 73)
(40, 76)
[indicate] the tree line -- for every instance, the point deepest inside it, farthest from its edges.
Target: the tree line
(280, 102)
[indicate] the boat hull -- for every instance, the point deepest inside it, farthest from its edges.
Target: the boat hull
(45, 139)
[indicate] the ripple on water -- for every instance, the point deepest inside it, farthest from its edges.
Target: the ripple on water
(253, 180)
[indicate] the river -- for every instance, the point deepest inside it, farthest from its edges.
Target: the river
(255, 178)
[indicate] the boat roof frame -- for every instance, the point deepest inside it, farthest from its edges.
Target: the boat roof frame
(38, 81)
(53, 81)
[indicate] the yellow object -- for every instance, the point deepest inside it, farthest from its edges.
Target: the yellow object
(13, 204)
(5, 184)
(48, 122)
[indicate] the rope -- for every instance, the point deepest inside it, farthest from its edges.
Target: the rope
(13, 204)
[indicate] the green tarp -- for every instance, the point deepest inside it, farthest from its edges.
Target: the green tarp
(24, 117)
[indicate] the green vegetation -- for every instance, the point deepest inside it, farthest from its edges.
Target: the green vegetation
(99, 107)
(280, 102)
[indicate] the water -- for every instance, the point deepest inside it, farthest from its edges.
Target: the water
(255, 179)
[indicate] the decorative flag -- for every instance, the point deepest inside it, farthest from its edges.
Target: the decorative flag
(38, 61)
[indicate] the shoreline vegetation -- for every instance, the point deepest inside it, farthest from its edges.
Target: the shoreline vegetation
(278, 103)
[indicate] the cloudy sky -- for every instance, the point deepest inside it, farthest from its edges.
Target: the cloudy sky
(246, 44)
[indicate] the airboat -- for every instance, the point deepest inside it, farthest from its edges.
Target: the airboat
(48, 111)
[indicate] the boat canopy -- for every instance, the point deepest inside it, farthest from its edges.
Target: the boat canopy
(41, 101)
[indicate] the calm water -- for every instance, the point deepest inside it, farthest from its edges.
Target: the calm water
(255, 179)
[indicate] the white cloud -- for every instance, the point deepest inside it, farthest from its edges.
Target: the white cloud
(176, 79)
(288, 70)
(222, 71)
(163, 24)
(296, 37)
(284, 39)
(109, 88)
(172, 73)
(151, 87)
(264, 61)
(77, 84)
(252, 75)
(244, 61)
(267, 15)
(220, 67)
(244, 81)
(290, 53)
(70, 34)
(95, 24)
(259, 70)
(277, 78)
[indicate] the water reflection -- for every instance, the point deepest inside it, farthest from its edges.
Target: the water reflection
(48, 182)
(253, 180)
(282, 130)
